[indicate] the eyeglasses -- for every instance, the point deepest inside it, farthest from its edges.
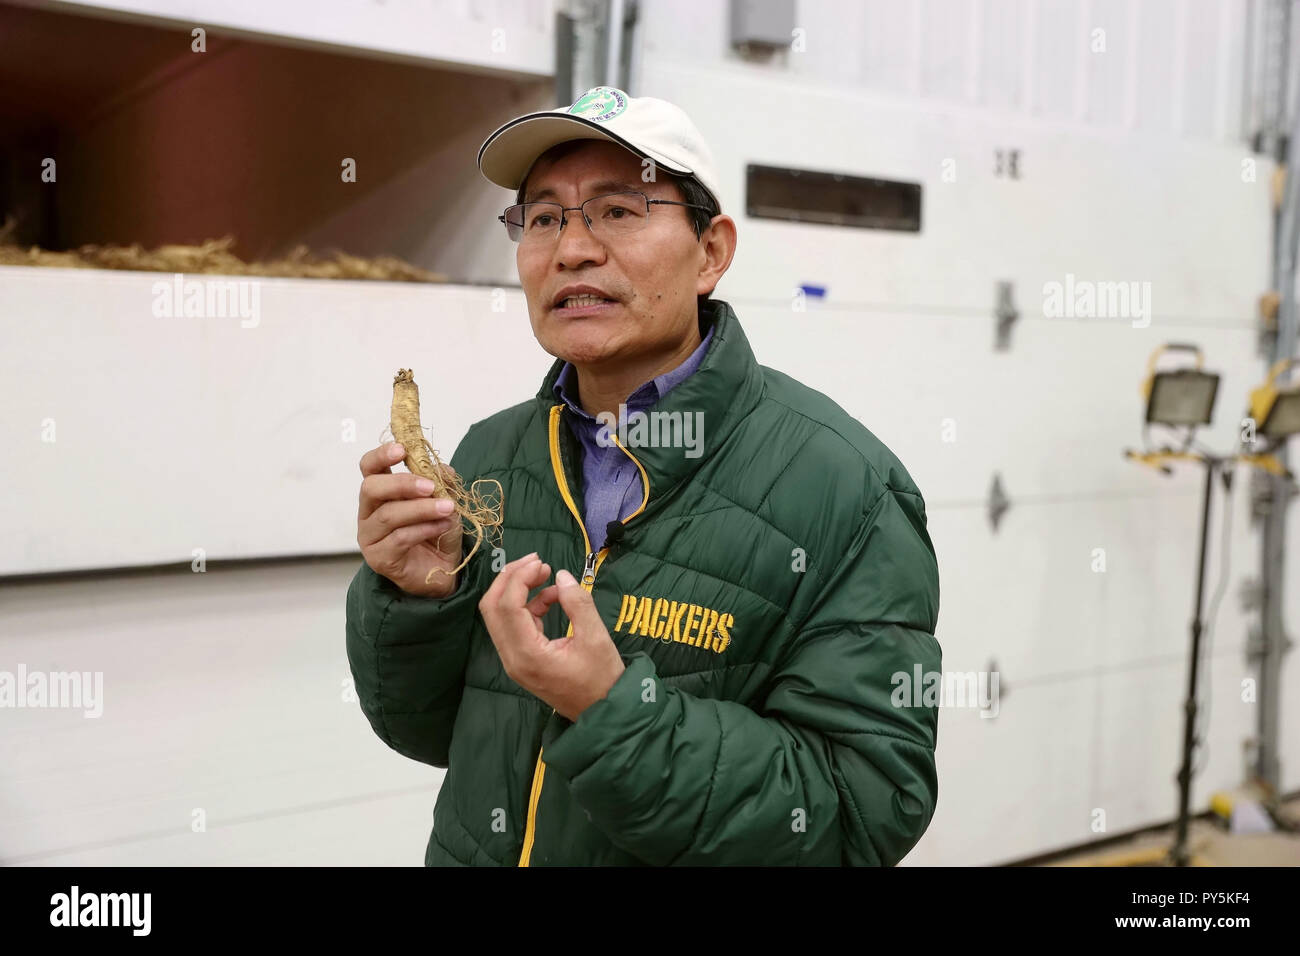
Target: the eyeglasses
(610, 218)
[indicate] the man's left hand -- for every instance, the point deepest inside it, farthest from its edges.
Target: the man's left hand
(570, 673)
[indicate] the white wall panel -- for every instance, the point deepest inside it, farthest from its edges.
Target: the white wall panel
(1003, 51)
(254, 458)
(179, 433)
(1030, 780)
(1052, 415)
(1028, 596)
(1170, 67)
(890, 48)
(1092, 670)
(946, 49)
(222, 691)
(1011, 784)
(289, 772)
(1098, 206)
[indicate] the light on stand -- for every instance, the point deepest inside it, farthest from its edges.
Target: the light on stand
(1184, 399)
(1276, 411)
(1181, 397)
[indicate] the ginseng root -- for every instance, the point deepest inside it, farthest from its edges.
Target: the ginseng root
(483, 512)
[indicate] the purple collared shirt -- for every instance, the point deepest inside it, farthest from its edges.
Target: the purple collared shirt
(611, 483)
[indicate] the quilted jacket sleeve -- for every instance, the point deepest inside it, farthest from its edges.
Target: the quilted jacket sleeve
(827, 771)
(407, 655)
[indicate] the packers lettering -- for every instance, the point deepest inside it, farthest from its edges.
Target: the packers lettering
(675, 622)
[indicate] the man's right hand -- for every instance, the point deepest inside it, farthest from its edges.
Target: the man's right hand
(403, 529)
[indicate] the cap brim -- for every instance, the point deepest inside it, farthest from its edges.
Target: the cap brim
(508, 154)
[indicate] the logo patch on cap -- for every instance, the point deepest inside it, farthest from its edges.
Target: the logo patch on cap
(600, 104)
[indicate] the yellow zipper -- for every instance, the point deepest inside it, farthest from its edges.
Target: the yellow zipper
(590, 567)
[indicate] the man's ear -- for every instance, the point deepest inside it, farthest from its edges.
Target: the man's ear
(717, 248)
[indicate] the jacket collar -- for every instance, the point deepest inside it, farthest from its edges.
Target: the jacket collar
(721, 392)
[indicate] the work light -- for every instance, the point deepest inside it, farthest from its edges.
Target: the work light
(1276, 411)
(1182, 396)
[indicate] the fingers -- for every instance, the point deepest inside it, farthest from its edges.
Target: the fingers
(509, 623)
(510, 589)
(392, 516)
(528, 576)
(448, 542)
(542, 601)
(377, 490)
(527, 573)
(577, 603)
(379, 461)
(395, 545)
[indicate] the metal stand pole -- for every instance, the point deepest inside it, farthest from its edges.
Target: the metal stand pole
(1180, 854)
(1274, 642)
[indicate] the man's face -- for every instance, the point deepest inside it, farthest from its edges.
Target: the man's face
(653, 276)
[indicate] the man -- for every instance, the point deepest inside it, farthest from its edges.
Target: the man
(742, 571)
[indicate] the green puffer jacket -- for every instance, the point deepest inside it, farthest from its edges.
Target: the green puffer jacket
(767, 598)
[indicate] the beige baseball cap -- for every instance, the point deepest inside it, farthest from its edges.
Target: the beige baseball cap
(647, 126)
